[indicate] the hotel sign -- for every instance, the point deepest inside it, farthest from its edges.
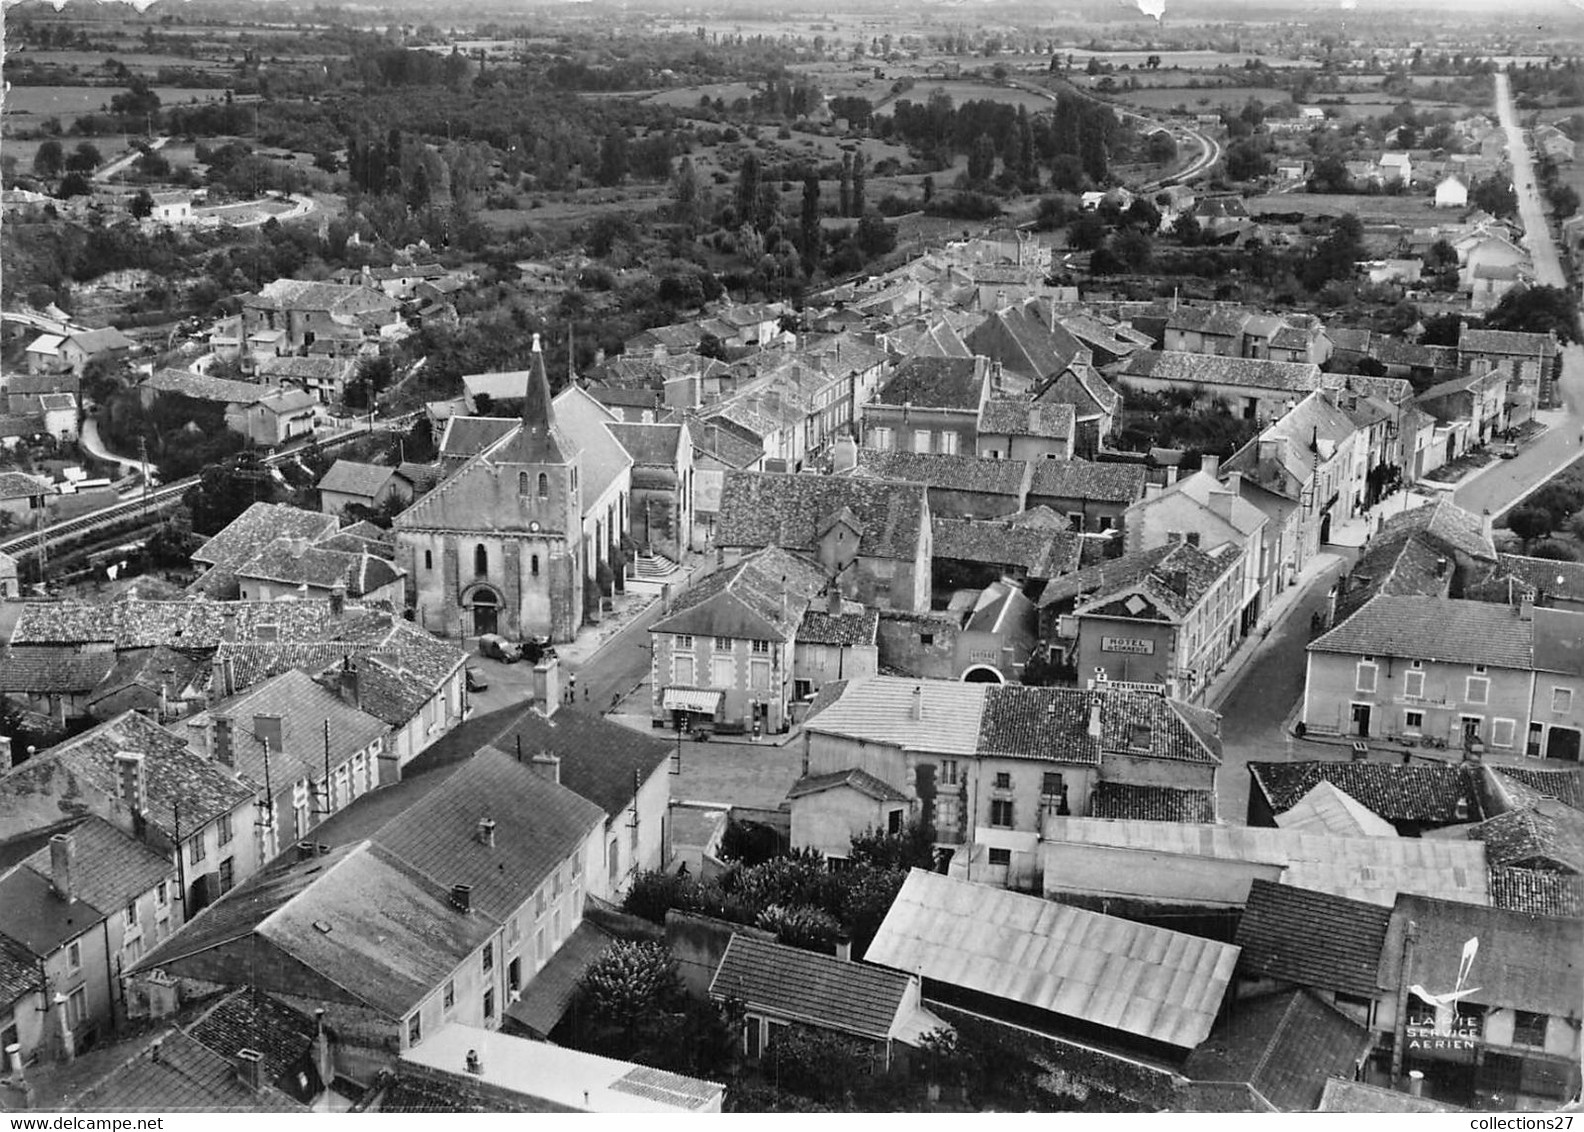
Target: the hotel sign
(1139, 645)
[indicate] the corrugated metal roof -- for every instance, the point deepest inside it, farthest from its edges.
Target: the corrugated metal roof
(948, 716)
(1143, 980)
(1373, 869)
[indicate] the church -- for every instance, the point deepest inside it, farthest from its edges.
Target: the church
(513, 539)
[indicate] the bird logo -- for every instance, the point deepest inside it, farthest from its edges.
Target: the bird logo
(1445, 1004)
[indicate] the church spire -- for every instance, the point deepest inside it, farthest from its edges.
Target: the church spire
(538, 413)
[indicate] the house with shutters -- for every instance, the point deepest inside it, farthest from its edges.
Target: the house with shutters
(447, 913)
(977, 758)
(146, 781)
(929, 405)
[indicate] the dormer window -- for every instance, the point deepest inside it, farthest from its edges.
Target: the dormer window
(1139, 737)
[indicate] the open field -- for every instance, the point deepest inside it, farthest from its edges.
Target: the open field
(687, 97)
(962, 92)
(137, 61)
(1417, 209)
(23, 149)
(27, 106)
(1198, 100)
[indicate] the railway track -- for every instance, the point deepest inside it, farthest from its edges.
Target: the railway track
(165, 497)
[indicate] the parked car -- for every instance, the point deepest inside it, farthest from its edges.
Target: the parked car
(537, 648)
(1506, 449)
(475, 680)
(499, 648)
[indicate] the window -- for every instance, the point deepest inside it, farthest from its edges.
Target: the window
(759, 674)
(893, 822)
(1561, 700)
(1413, 720)
(761, 648)
(544, 486)
(926, 638)
(428, 560)
(1051, 785)
(1479, 669)
(948, 772)
(448, 996)
(1075, 520)
(196, 850)
(880, 439)
(131, 916)
(414, 1029)
(753, 1037)
(539, 903)
(1478, 690)
(480, 560)
(556, 885)
(1413, 685)
(489, 957)
(1001, 813)
(77, 1009)
(513, 930)
(722, 672)
(723, 644)
(1529, 1028)
(539, 947)
(489, 1005)
(1000, 858)
(223, 824)
(1502, 732)
(948, 443)
(1003, 780)
(683, 642)
(227, 875)
(1366, 677)
(921, 440)
(522, 483)
(682, 670)
(161, 899)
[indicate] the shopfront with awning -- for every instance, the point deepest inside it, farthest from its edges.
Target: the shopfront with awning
(695, 701)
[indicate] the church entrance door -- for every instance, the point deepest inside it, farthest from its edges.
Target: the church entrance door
(486, 613)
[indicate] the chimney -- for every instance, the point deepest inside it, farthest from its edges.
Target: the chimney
(844, 454)
(1151, 490)
(13, 1060)
(250, 1069)
(486, 832)
(63, 1022)
(995, 375)
(349, 684)
(462, 897)
(1234, 483)
(5, 754)
(1171, 474)
(63, 859)
(1210, 465)
(322, 1058)
(548, 765)
(1416, 1076)
(1360, 752)
(154, 1051)
(338, 601)
(474, 1065)
(1221, 503)
(1526, 608)
(916, 712)
(1095, 727)
(844, 950)
(228, 625)
(547, 686)
(833, 600)
(1441, 567)
(306, 851)
(299, 547)
(132, 781)
(224, 749)
(1178, 581)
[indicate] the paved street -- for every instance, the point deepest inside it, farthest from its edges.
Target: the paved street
(1537, 236)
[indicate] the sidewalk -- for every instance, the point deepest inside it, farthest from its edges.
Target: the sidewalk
(1259, 643)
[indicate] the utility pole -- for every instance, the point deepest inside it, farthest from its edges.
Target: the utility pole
(143, 454)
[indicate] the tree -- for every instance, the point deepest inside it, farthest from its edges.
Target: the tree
(1134, 249)
(747, 197)
(809, 221)
(858, 202)
(981, 160)
(1564, 200)
(224, 491)
(140, 101)
(49, 160)
(1529, 524)
(685, 202)
(1333, 257)
(912, 848)
(613, 157)
(1161, 148)
(418, 192)
(1142, 214)
(84, 159)
(141, 205)
(1537, 310)
(1330, 176)
(1087, 233)
(845, 192)
(1246, 160)
(629, 983)
(74, 184)
(1496, 196)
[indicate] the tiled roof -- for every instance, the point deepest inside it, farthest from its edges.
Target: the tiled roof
(351, 478)
(1326, 809)
(1016, 416)
(19, 972)
(1342, 1095)
(1551, 578)
(1537, 892)
(1081, 479)
(1506, 342)
(251, 1019)
(110, 869)
(1559, 641)
(177, 776)
(1398, 565)
(653, 445)
(468, 436)
(1284, 1046)
(789, 511)
(1043, 552)
(304, 709)
(183, 1076)
(1446, 525)
(203, 388)
(947, 472)
(1398, 793)
(1026, 339)
(1545, 835)
(36, 670)
(20, 485)
(552, 989)
(859, 780)
(36, 916)
(1532, 963)
(935, 383)
(1565, 784)
(288, 562)
(1435, 628)
(1112, 973)
(1175, 583)
(1208, 320)
(856, 625)
(1212, 369)
(764, 596)
(314, 368)
(1312, 939)
(538, 825)
(1392, 390)
(257, 527)
(1151, 803)
(42, 383)
(371, 930)
(1104, 577)
(805, 986)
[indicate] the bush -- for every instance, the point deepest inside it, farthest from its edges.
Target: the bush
(1555, 550)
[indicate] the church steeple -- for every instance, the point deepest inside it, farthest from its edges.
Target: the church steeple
(538, 440)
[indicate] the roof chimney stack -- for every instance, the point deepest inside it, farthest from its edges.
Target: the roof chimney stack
(474, 1065)
(250, 1069)
(1210, 465)
(462, 897)
(548, 765)
(917, 709)
(486, 832)
(834, 600)
(1095, 724)
(63, 859)
(132, 781)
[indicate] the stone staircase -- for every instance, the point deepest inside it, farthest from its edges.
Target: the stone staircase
(653, 568)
